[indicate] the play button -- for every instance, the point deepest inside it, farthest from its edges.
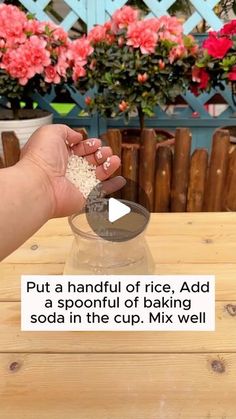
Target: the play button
(117, 210)
(115, 219)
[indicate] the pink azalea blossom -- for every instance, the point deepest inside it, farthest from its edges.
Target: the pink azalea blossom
(78, 72)
(12, 24)
(139, 36)
(17, 66)
(36, 54)
(124, 17)
(34, 27)
(62, 64)
(176, 53)
(123, 106)
(142, 77)
(80, 49)
(97, 34)
(51, 75)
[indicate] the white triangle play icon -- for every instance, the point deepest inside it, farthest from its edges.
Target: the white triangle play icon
(117, 210)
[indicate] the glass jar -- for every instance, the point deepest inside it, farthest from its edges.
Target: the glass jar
(92, 255)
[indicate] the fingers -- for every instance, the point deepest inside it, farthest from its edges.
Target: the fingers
(105, 170)
(87, 147)
(100, 156)
(70, 136)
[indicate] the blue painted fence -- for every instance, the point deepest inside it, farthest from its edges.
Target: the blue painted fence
(195, 115)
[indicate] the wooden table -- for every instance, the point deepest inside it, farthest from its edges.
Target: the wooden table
(122, 375)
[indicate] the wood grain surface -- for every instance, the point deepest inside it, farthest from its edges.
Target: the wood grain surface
(124, 375)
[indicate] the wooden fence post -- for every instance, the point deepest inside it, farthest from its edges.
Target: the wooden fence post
(180, 170)
(163, 179)
(130, 155)
(147, 168)
(230, 189)
(11, 148)
(197, 180)
(114, 139)
(217, 171)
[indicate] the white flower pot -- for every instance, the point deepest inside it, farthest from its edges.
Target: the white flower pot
(23, 128)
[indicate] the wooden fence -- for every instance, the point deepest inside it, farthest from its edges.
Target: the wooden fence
(173, 180)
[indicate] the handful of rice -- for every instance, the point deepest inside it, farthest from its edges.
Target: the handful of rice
(81, 174)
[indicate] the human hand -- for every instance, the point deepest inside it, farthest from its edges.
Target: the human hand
(47, 151)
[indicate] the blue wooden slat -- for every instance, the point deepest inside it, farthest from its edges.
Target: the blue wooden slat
(33, 8)
(69, 21)
(100, 12)
(42, 3)
(112, 6)
(79, 7)
(91, 14)
(157, 8)
(196, 17)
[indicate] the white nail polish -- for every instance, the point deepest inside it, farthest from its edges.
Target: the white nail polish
(99, 155)
(107, 164)
(90, 143)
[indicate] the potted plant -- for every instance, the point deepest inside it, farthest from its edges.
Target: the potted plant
(33, 57)
(216, 66)
(137, 63)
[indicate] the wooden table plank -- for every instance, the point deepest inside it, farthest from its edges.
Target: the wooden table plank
(173, 238)
(223, 339)
(114, 386)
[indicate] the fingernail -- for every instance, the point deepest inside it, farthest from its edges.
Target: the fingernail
(90, 143)
(72, 145)
(107, 163)
(99, 155)
(66, 142)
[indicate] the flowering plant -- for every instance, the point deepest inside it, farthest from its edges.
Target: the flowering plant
(33, 55)
(217, 63)
(137, 63)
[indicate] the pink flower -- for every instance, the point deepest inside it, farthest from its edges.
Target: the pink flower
(80, 49)
(88, 100)
(59, 34)
(161, 64)
(34, 27)
(92, 65)
(133, 33)
(97, 34)
(51, 75)
(123, 106)
(62, 65)
(78, 72)
(16, 65)
(232, 74)
(176, 53)
(139, 36)
(36, 54)
(12, 24)
(124, 17)
(121, 41)
(142, 77)
(148, 41)
(217, 47)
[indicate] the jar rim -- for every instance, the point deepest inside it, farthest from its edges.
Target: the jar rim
(92, 235)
